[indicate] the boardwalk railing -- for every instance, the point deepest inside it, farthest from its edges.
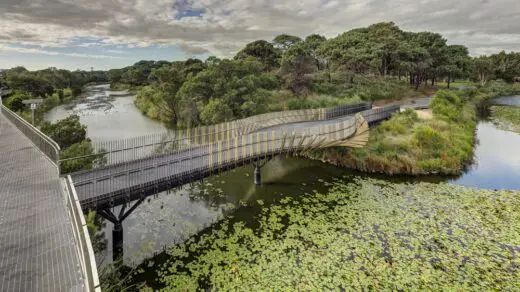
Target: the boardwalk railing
(50, 148)
(84, 245)
(120, 151)
(177, 166)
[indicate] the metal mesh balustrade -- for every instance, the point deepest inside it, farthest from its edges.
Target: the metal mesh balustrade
(84, 244)
(161, 171)
(120, 151)
(50, 148)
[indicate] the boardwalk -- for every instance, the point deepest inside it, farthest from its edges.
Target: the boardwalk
(37, 247)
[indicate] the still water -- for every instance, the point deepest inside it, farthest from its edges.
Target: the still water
(108, 115)
(170, 217)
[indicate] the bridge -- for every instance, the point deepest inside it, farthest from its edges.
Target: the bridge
(130, 170)
(148, 165)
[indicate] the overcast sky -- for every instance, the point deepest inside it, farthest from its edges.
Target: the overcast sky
(79, 34)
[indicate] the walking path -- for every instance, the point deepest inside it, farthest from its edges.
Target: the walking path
(37, 246)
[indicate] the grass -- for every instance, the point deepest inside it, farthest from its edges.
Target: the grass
(456, 84)
(407, 145)
(506, 117)
(363, 235)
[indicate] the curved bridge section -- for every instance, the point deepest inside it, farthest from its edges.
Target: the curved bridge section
(202, 152)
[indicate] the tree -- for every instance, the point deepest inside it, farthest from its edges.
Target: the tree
(65, 132)
(262, 51)
(435, 44)
(216, 111)
(312, 42)
(212, 60)
(15, 101)
(80, 156)
(483, 68)
(507, 66)
(284, 41)
(297, 62)
(456, 63)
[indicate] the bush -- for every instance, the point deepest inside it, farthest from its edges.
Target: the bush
(446, 104)
(428, 138)
(15, 101)
(82, 149)
(65, 132)
(216, 111)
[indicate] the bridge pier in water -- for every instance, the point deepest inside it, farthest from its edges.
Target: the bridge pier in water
(258, 164)
(117, 242)
(258, 176)
(117, 231)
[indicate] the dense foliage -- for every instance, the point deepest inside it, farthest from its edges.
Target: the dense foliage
(377, 62)
(408, 145)
(44, 83)
(65, 132)
(77, 152)
(363, 235)
(505, 66)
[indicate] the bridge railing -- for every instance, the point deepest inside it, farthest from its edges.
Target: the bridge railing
(119, 151)
(176, 166)
(50, 148)
(84, 245)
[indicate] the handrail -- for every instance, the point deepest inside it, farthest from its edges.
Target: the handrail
(129, 178)
(49, 147)
(224, 131)
(254, 143)
(86, 252)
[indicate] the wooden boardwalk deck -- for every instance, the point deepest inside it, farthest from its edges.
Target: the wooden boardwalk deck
(37, 247)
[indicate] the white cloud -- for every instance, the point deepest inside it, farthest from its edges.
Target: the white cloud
(226, 25)
(24, 50)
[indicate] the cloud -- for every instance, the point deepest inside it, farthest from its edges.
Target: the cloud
(222, 27)
(25, 50)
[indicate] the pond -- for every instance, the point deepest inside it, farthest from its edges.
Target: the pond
(171, 217)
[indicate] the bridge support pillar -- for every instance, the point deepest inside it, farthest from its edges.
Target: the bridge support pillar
(117, 242)
(258, 175)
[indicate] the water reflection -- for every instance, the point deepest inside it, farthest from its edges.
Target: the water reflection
(108, 115)
(497, 160)
(507, 100)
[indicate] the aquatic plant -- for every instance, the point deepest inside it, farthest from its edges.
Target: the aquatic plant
(506, 117)
(364, 235)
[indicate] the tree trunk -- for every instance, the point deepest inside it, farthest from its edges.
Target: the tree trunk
(433, 80)
(449, 80)
(411, 78)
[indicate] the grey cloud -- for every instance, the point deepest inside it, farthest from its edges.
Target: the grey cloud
(226, 25)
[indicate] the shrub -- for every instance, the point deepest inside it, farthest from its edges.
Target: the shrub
(216, 111)
(446, 104)
(426, 137)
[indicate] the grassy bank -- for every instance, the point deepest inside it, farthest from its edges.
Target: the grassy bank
(506, 117)
(363, 235)
(493, 89)
(406, 144)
